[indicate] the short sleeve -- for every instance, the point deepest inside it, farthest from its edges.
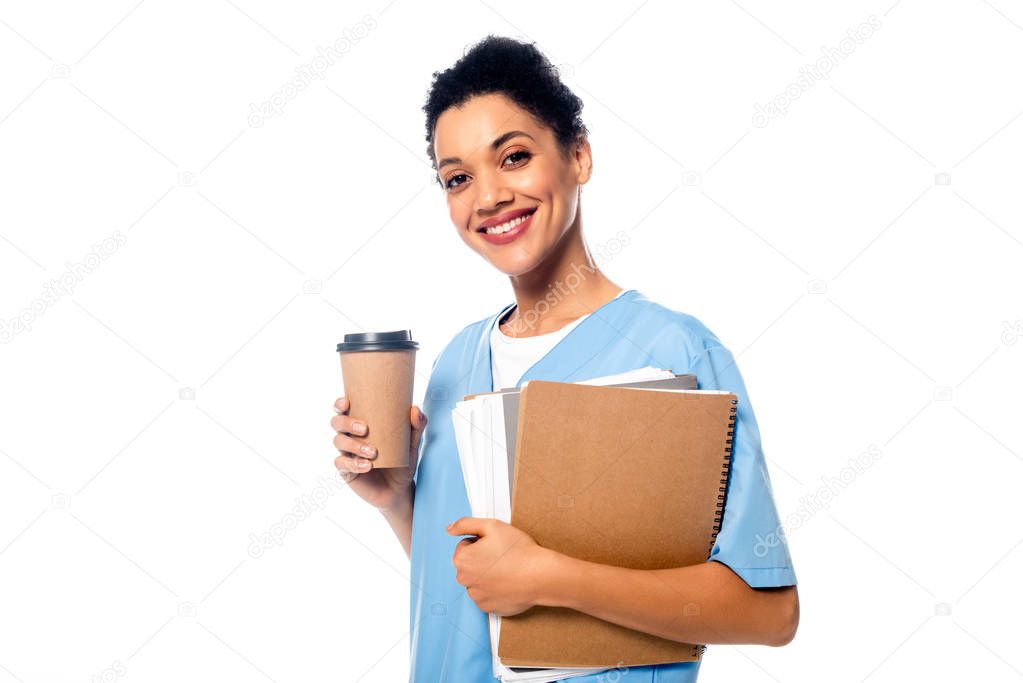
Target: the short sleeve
(751, 541)
(427, 408)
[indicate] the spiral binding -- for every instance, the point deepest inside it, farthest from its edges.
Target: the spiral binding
(726, 468)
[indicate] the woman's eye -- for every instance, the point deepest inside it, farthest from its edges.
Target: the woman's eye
(451, 180)
(524, 155)
(516, 156)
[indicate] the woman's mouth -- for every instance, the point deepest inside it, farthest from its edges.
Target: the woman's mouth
(509, 230)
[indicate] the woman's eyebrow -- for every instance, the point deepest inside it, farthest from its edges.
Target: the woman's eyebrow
(500, 140)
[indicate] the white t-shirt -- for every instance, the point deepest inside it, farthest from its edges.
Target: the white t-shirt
(511, 357)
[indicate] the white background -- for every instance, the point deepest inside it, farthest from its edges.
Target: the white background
(871, 304)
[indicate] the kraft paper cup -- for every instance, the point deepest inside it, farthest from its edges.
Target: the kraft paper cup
(378, 369)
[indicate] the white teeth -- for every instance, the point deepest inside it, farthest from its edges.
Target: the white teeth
(505, 227)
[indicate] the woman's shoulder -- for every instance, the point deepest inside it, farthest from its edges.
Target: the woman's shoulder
(675, 325)
(464, 340)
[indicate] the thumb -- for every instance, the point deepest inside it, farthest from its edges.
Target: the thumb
(469, 526)
(418, 418)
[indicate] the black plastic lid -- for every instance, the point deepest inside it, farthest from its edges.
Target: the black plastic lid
(399, 340)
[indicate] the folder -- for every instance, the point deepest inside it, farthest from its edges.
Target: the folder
(617, 475)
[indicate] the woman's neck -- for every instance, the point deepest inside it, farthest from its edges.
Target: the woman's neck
(567, 285)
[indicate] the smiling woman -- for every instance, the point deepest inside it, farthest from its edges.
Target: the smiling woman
(511, 153)
(508, 180)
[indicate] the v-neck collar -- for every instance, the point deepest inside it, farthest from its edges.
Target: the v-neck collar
(496, 332)
(598, 329)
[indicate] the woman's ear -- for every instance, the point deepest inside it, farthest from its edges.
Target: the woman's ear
(583, 160)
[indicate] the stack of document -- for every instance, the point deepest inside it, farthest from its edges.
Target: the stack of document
(485, 428)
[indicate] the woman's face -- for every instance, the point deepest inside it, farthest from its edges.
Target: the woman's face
(502, 169)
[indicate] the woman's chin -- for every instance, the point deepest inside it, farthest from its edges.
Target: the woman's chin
(515, 264)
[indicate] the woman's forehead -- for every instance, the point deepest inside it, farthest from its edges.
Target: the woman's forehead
(472, 127)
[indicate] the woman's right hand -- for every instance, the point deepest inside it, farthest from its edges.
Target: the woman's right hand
(388, 487)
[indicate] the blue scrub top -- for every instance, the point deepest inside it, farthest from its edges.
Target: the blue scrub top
(449, 638)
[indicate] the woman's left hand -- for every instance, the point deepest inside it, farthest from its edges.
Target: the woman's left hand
(501, 569)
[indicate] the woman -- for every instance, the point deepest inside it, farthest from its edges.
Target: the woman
(511, 154)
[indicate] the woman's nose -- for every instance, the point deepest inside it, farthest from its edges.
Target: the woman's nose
(490, 193)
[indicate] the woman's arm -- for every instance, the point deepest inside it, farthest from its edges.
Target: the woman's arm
(390, 490)
(400, 518)
(704, 603)
(506, 572)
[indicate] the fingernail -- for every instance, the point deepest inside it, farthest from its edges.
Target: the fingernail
(359, 427)
(369, 450)
(364, 464)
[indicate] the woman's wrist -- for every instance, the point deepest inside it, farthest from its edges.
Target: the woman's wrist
(401, 507)
(556, 573)
(399, 517)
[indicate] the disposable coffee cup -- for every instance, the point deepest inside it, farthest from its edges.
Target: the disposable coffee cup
(378, 369)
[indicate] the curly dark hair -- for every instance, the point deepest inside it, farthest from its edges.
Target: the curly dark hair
(519, 71)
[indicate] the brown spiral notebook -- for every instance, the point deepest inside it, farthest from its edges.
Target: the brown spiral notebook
(629, 477)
